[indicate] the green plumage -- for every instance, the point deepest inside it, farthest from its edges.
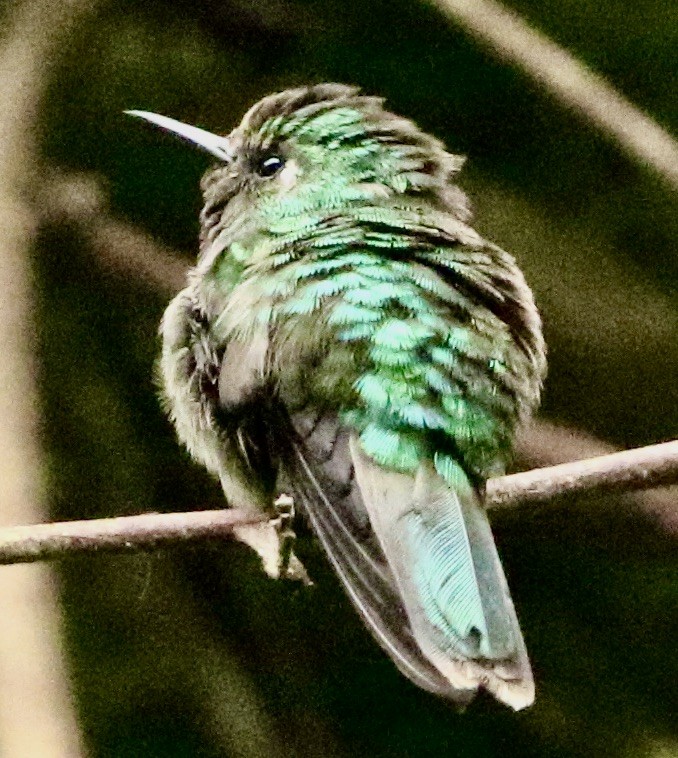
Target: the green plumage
(346, 329)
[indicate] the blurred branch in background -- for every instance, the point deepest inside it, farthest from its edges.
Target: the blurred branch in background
(569, 80)
(36, 714)
(650, 466)
(81, 200)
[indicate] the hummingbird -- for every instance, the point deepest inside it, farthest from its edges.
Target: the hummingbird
(346, 338)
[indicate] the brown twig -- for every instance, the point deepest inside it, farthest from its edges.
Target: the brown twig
(650, 466)
(641, 468)
(25, 544)
(543, 443)
(569, 80)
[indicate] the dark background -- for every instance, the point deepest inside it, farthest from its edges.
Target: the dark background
(193, 652)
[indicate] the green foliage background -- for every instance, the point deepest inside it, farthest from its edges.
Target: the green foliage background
(193, 652)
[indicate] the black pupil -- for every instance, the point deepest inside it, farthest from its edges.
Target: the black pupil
(270, 165)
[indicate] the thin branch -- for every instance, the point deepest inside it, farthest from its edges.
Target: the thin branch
(569, 80)
(124, 534)
(641, 468)
(650, 466)
(543, 443)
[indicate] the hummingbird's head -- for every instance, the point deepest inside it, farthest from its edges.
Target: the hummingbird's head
(316, 150)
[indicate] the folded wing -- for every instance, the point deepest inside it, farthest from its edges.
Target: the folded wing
(417, 560)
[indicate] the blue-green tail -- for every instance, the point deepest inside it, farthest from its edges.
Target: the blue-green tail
(439, 546)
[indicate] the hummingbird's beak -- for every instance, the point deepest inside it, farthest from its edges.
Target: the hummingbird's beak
(217, 146)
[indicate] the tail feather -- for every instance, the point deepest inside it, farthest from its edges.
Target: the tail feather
(456, 568)
(440, 548)
(376, 615)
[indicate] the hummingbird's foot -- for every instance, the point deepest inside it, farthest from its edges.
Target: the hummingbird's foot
(282, 522)
(289, 566)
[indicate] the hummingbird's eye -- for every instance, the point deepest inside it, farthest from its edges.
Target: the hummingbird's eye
(270, 165)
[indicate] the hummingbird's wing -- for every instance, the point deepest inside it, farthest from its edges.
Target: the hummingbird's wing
(320, 472)
(418, 562)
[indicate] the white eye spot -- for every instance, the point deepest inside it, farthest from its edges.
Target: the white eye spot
(288, 176)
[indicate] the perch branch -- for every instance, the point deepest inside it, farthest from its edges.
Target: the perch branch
(650, 466)
(26, 544)
(568, 80)
(641, 468)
